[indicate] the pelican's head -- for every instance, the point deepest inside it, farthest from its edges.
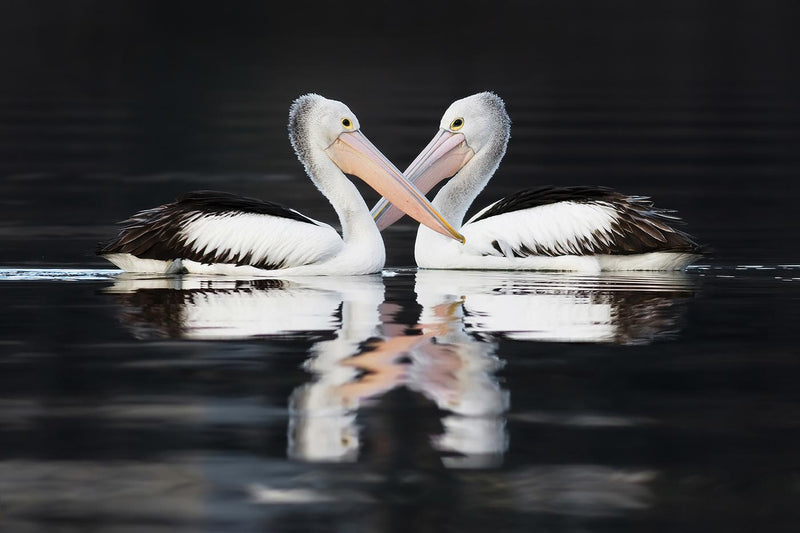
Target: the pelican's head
(474, 127)
(323, 128)
(481, 119)
(317, 121)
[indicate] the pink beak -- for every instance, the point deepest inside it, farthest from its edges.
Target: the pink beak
(445, 155)
(354, 154)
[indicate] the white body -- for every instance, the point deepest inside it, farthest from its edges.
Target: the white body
(434, 253)
(312, 250)
(558, 225)
(570, 234)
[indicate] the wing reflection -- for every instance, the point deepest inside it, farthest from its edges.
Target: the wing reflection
(224, 309)
(606, 308)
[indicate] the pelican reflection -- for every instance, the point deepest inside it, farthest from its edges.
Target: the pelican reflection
(604, 308)
(449, 355)
(219, 308)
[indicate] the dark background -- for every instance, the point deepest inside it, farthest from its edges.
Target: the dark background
(107, 107)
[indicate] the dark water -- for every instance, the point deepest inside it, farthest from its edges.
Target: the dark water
(413, 400)
(409, 400)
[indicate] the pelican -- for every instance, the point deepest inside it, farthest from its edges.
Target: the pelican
(209, 232)
(585, 229)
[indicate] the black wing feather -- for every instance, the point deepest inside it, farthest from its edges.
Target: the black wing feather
(156, 233)
(640, 227)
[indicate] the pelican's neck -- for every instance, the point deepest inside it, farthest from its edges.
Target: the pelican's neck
(455, 197)
(431, 250)
(354, 216)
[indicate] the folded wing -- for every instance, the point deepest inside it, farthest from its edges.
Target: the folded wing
(216, 227)
(556, 221)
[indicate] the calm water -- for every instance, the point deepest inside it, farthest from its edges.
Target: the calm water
(457, 401)
(407, 401)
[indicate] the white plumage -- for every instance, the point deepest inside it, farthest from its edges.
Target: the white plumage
(558, 227)
(586, 229)
(264, 237)
(209, 232)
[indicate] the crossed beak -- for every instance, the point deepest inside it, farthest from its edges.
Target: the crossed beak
(354, 154)
(444, 156)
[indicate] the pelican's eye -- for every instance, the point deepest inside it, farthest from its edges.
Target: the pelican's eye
(457, 124)
(347, 123)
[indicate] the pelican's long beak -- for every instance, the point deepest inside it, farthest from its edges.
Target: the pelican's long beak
(445, 155)
(354, 154)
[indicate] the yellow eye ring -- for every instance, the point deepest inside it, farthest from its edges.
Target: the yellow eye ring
(457, 124)
(347, 123)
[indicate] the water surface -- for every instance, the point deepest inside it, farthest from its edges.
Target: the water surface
(425, 399)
